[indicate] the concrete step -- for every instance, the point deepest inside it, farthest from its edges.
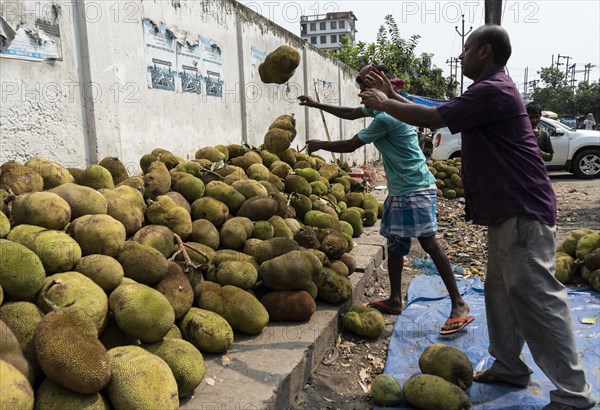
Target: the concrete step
(267, 371)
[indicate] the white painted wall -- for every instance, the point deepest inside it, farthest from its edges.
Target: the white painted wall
(120, 116)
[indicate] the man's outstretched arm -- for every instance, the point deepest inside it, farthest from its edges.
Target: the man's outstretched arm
(345, 113)
(342, 146)
(413, 114)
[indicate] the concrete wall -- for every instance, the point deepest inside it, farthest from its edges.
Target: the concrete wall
(96, 101)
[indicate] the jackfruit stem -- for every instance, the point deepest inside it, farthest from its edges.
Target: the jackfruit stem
(189, 264)
(48, 302)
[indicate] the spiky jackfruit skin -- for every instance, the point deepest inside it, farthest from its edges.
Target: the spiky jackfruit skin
(116, 168)
(21, 271)
(97, 177)
(177, 289)
(10, 351)
(164, 211)
(20, 179)
(15, 390)
(289, 305)
(291, 271)
(240, 308)
(206, 330)
(4, 225)
(76, 289)
(210, 209)
(386, 391)
(140, 380)
(98, 234)
(51, 396)
(279, 65)
(449, 363)
(426, 391)
(58, 251)
(105, 271)
(41, 209)
(142, 263)
(82, 200)
(142, 312)
(69, 352)
(184, 360)
(364, 321)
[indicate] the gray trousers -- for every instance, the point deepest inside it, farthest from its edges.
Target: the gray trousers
(525, 303)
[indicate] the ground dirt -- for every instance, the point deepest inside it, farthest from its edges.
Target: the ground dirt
(342, 380)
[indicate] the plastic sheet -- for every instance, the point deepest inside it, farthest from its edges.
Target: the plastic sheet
(427, 309)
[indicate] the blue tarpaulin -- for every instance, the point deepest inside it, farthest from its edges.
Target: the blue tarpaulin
(430, 102)
(427, 309)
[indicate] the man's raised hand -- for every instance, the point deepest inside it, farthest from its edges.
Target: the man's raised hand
(306, 100)
(373, 98)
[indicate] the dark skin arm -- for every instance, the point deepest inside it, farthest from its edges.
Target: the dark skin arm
(346, 113)
(343, 146)
(546, 156)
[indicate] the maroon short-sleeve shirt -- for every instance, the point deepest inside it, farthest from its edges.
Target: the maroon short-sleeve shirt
(502, 171)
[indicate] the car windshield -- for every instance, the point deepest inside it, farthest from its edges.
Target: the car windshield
(556, 124)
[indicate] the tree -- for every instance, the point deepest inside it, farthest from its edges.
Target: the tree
(587, 98)
(420, 76)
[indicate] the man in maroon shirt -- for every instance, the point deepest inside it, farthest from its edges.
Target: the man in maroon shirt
(508, 190)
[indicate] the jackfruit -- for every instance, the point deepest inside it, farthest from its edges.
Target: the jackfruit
(258, 172)
(98, 234)
(426, 391)
(307, 238)
(386, 391)
(21, 271)
(268, 158)
(10, 352)
(279, 65)
(142, 263)
(69, 352)
(297, 184)
(592, 260)
(15, 390)
(334, 245)
(116, 168)
(177, 289)
(332, 288)
(210, 153)
(42, 209)
(240, 308)
(157, 181)
(158, 237)
(97, 177)
(82, 200)
(4, 225)
(140, 380)
(250, 188)
(230, 255)
(259, 208)
(164, 211)
(226, 194)
(206, 330)
(349, 261)
(587, 244)
(211, 209)
(289, 305)
(290, 271)
(263, 230)
(339, 267)
(563, 268)
(19, 179)
(246, 160)
(191, 188)
(184, 360)
(288, 157)
(280, 168)
(204, 232)
(51, 396)
(77, 290)
(364, 321)
(447, 362)
(105, 271)
(277, 140)
(236, 273)
(57, 250)
(142, 312)
(570, 243)
(321, 220)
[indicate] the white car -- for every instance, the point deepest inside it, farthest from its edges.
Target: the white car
(576, 151)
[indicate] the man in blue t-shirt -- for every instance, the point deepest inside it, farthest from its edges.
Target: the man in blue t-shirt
(409, 210)
(508, 190)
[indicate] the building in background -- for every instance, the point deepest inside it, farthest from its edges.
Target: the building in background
(325, 31)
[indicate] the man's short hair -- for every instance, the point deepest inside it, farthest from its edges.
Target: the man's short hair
(385, 70)
(498, 38)
(534, 108)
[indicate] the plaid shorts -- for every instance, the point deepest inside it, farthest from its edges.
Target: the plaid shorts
(408, 216)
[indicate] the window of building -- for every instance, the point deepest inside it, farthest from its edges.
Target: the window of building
(303, 28)
(323, 39)
(322, 26)
(342, 24)
(334, 25)
(313, 26)
(333, 38)
(313, 40)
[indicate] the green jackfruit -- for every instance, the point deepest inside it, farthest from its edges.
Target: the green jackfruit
(10, 352)
(97, 177)
(280, 168)
(42, 209)
(339, 267)
(211, 209)
(240, 308)
(447, 362)
(57, 250)
(77, 290)
(82, 200)
(592, 260)
(51, 396)
(563, 268)
(140, 380)
(20, 179)
(246, 160)
(4, 225)
(177, 289)
(279, 65)
(268, 158)
(69, 352)
(127, 206)
(98, 234)
(298, 184)
(158, 237)
(587, 244)
(226, 194)
(210, 153)
(116, 168)
(105, 271)
(290, 271)
(426, 391)
(386, 391)
(332, 288)
(184, 360)
(206, 330)
(334, 245)
(164, 211)
(258, 172)
(142, 263)
(142, 312)
(570, 243)
(237, 273)
(277, 140)
(157, 181)
(250, 188)
(289, 305)
(263, 230)
(204, 232)
(234, 233)
(191, 188)
(321, 220)
(21, 271)
(15, 390)
(53, 174)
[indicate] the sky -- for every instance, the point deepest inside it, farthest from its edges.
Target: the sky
(540, 30)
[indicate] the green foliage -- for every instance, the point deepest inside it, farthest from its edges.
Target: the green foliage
(558, 96)
(419, 75)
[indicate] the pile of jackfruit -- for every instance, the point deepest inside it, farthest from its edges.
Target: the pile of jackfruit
(112, 286)
(446, 373)
(447, 178)
(578, 258)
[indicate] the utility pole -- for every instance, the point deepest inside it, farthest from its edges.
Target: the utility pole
(573, 79)
(453, 63)
(493, 12)
(558, 63)
(525, 81)
(462, 35)
(586, 72)
(567, 68)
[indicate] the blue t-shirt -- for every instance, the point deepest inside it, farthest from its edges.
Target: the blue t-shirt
(502, 171)
(403, 159)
